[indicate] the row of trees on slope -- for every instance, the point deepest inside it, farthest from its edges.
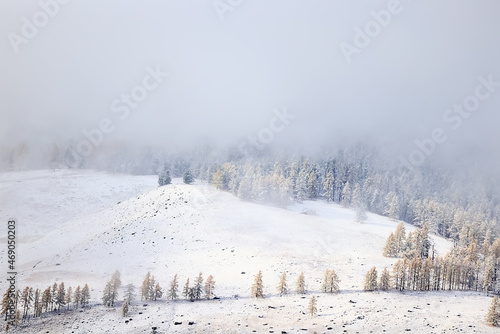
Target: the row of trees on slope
(30, 302)
(464, 268)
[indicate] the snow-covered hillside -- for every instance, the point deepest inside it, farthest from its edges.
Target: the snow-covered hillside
(80, 226)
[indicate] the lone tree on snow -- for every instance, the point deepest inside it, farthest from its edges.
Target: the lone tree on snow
(301, 284)
(164, 177)
(282, 286)
(257, 287)
(188, 177)
(493, 316)
(331, 281)
(312, 306)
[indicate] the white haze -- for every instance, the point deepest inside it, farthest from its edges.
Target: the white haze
(226, 77)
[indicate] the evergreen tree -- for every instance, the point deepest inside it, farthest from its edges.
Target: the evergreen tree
(400, 238)
(107, 295)
(390, 246)
(312, 184)
(26, 300)
(198, 286)
(218, 180)
(301, 284)
(125, 307)
(130, 293)
(192, 294)
(312, 306)
(6, 303)
(158, 292)
(329, 187)
(174, 289)
(146, 283)
(282, 286)
(151, 288)
(37, 303)
(54, 296)
(346, 195)
(209, 287)
(371, 280)
(69, 296)
(185, 291)
(301, 186)
(188, 177)
(85, 298)
(164, 177)
(46, 299)
(61, 296)
(385, 280)
(359, 203)
(392, 206)
(77, 297)
(257, 287)
(493, 316)
(330, 281)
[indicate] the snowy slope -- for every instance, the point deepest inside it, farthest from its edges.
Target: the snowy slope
(186, 229)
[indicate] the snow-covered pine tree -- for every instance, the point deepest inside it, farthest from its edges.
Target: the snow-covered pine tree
(371, 280)
(188, 177)
(489, 272)
(218, 179)
(107, 295)
(392, 206)
(312, 184)
(346, 195)
(116, 284)
(151, 288)
(185, 291)
(301, 186)
(61, 296)
(53, 302)
(400, 239)
(192, 294)
(330, 282)
(46, 298)
(209, 287)
(146, 283)
(198, 286)
(37, 303)
(301, 284)
(329, 187)
(6, 301)
(282, 286)
(359, 203)
(257, 287)
(125, 307)
(312, 306)
(85, 299)
(26, 300)
(390, 246)
(173, 291)
(385, 280)
(77, 297)
(158, 292)
(69, 296)
(164, 177)
(493, 316)
(130, 293)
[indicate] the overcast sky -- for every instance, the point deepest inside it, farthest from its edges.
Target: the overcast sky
(230, 67)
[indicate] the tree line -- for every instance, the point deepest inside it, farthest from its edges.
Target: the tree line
(30, 302)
